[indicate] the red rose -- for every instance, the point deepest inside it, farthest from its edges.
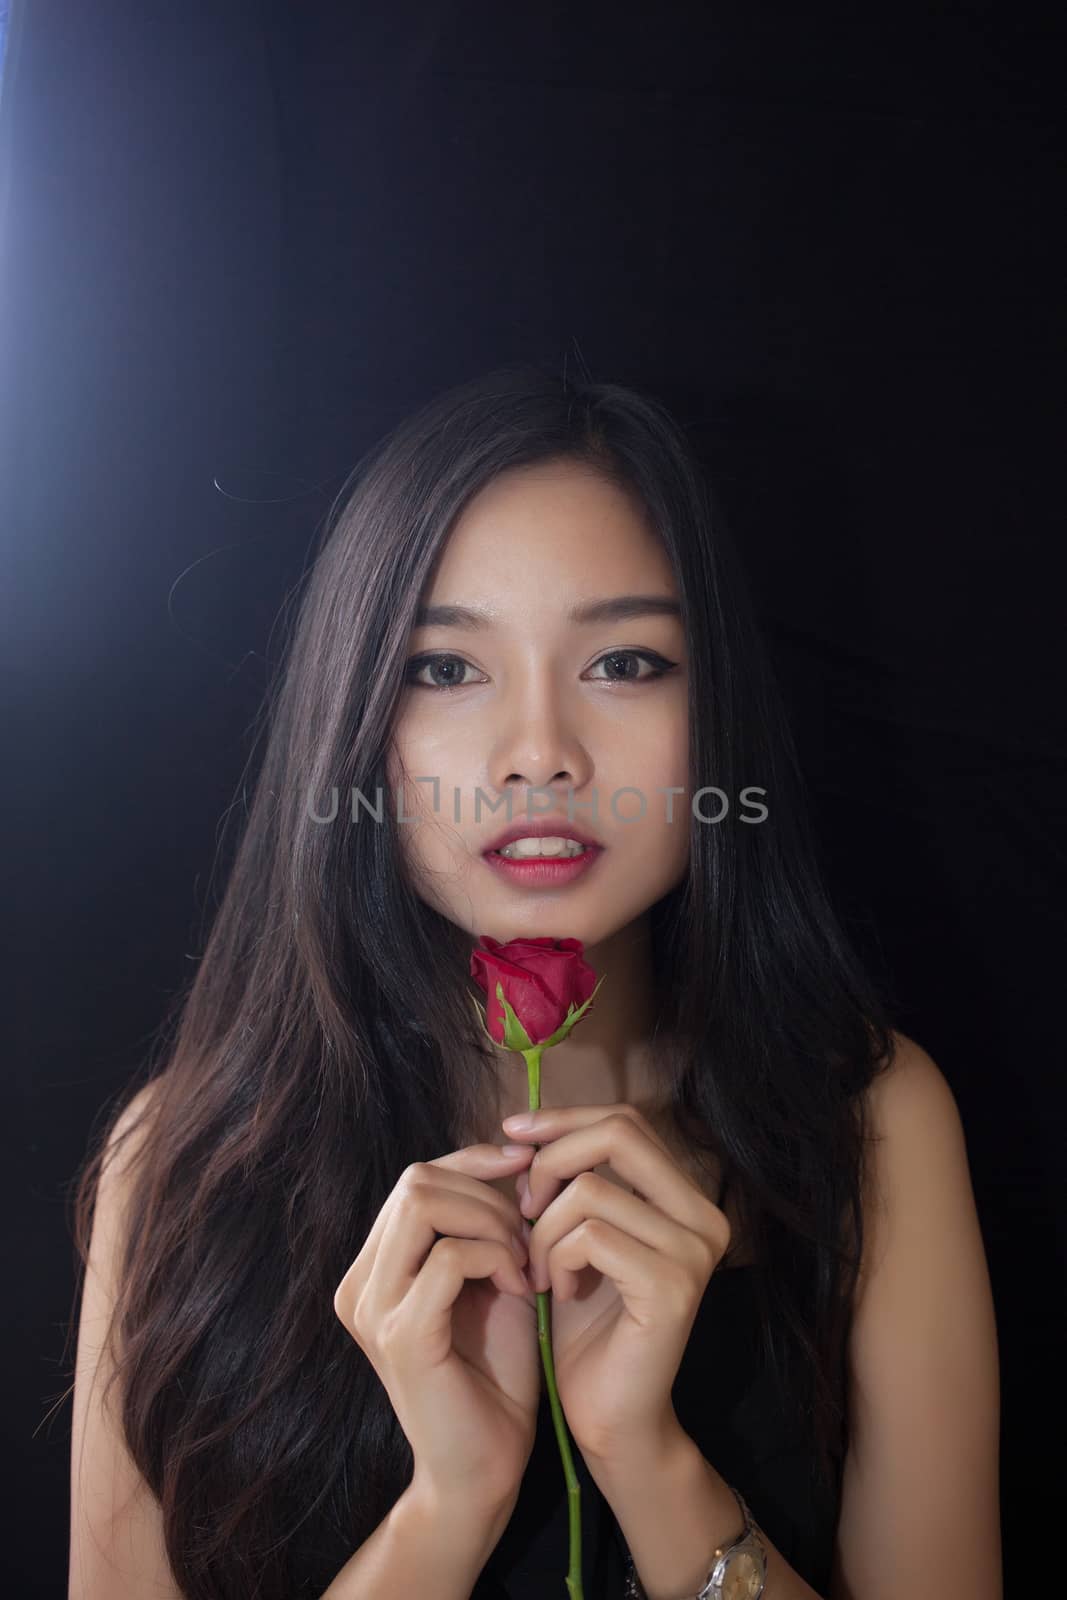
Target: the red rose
(544, 982)
(537, 990)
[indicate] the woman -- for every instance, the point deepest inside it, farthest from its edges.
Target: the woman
(317, 1397)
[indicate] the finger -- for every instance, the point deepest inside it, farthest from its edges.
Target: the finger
(548, 1188)
(412, 1239)
(552, 1122)
(438, 1286)
(620, 1141)
(499, 1162)
(479, 1161)
(433, 1205)
(652, 1286)
(591, 1199)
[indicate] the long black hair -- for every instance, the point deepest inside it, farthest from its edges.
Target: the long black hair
(327, 1039)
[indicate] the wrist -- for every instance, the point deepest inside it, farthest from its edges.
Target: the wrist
(676, 1513)
(445, 1505)
(425, 1544)
(658, 1450)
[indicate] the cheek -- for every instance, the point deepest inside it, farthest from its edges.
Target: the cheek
(675, 753)
(663, 764)
(432, 745)
(431, 846)
(657, 758)
(406, 747)
(408, 799)
(415, 753)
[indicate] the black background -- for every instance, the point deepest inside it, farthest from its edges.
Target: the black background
(240, 241)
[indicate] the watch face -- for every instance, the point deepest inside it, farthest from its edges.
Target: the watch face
(743, 1579)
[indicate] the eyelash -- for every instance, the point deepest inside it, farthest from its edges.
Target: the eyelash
(661, 666)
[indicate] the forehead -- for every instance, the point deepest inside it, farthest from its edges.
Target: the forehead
(537, 533)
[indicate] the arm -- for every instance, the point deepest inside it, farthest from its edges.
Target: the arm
(116, 1526)
(674, 1511)
(920, 1498)
(424, 1546)
(919, 1513)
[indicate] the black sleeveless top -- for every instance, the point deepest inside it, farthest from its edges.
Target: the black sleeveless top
(730, 1405)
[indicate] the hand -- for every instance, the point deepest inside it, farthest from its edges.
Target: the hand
(627, 1271)
(437, 1300)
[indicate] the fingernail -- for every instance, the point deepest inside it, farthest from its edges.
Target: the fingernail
(522, 1122)
(514, 1149)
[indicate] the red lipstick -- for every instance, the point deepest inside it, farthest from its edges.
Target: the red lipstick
(545, 872)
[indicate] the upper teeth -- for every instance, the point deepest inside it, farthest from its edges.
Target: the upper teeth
(542, 847)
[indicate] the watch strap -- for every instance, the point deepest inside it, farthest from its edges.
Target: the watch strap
(748, 1539)
(749, 1542)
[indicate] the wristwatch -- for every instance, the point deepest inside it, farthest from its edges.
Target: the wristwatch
(739, 1570)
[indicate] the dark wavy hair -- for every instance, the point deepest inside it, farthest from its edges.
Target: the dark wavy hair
(301, 1070)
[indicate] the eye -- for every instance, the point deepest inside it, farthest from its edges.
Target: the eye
(419, 664)
(658, 665)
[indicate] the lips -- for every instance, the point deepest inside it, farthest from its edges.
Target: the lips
(542, 827)
(544, 872)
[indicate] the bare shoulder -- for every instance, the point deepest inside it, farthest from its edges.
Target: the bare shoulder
(116, 1534)
(118, 1167)
(128, 1135)
(916, 1140)
(911, 1083)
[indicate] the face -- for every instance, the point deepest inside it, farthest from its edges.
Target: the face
(535, 699)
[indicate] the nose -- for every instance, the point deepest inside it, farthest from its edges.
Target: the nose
(539, 745)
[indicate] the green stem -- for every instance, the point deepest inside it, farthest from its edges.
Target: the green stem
(544, 1339)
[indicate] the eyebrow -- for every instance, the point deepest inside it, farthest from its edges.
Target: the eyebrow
(617, 608)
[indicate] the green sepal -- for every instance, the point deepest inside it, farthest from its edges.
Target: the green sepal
(480, 1014)
(515, 1035)
(570, 1020)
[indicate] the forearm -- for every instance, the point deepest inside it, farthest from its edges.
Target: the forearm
(674, 1509)
(423, 1546)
